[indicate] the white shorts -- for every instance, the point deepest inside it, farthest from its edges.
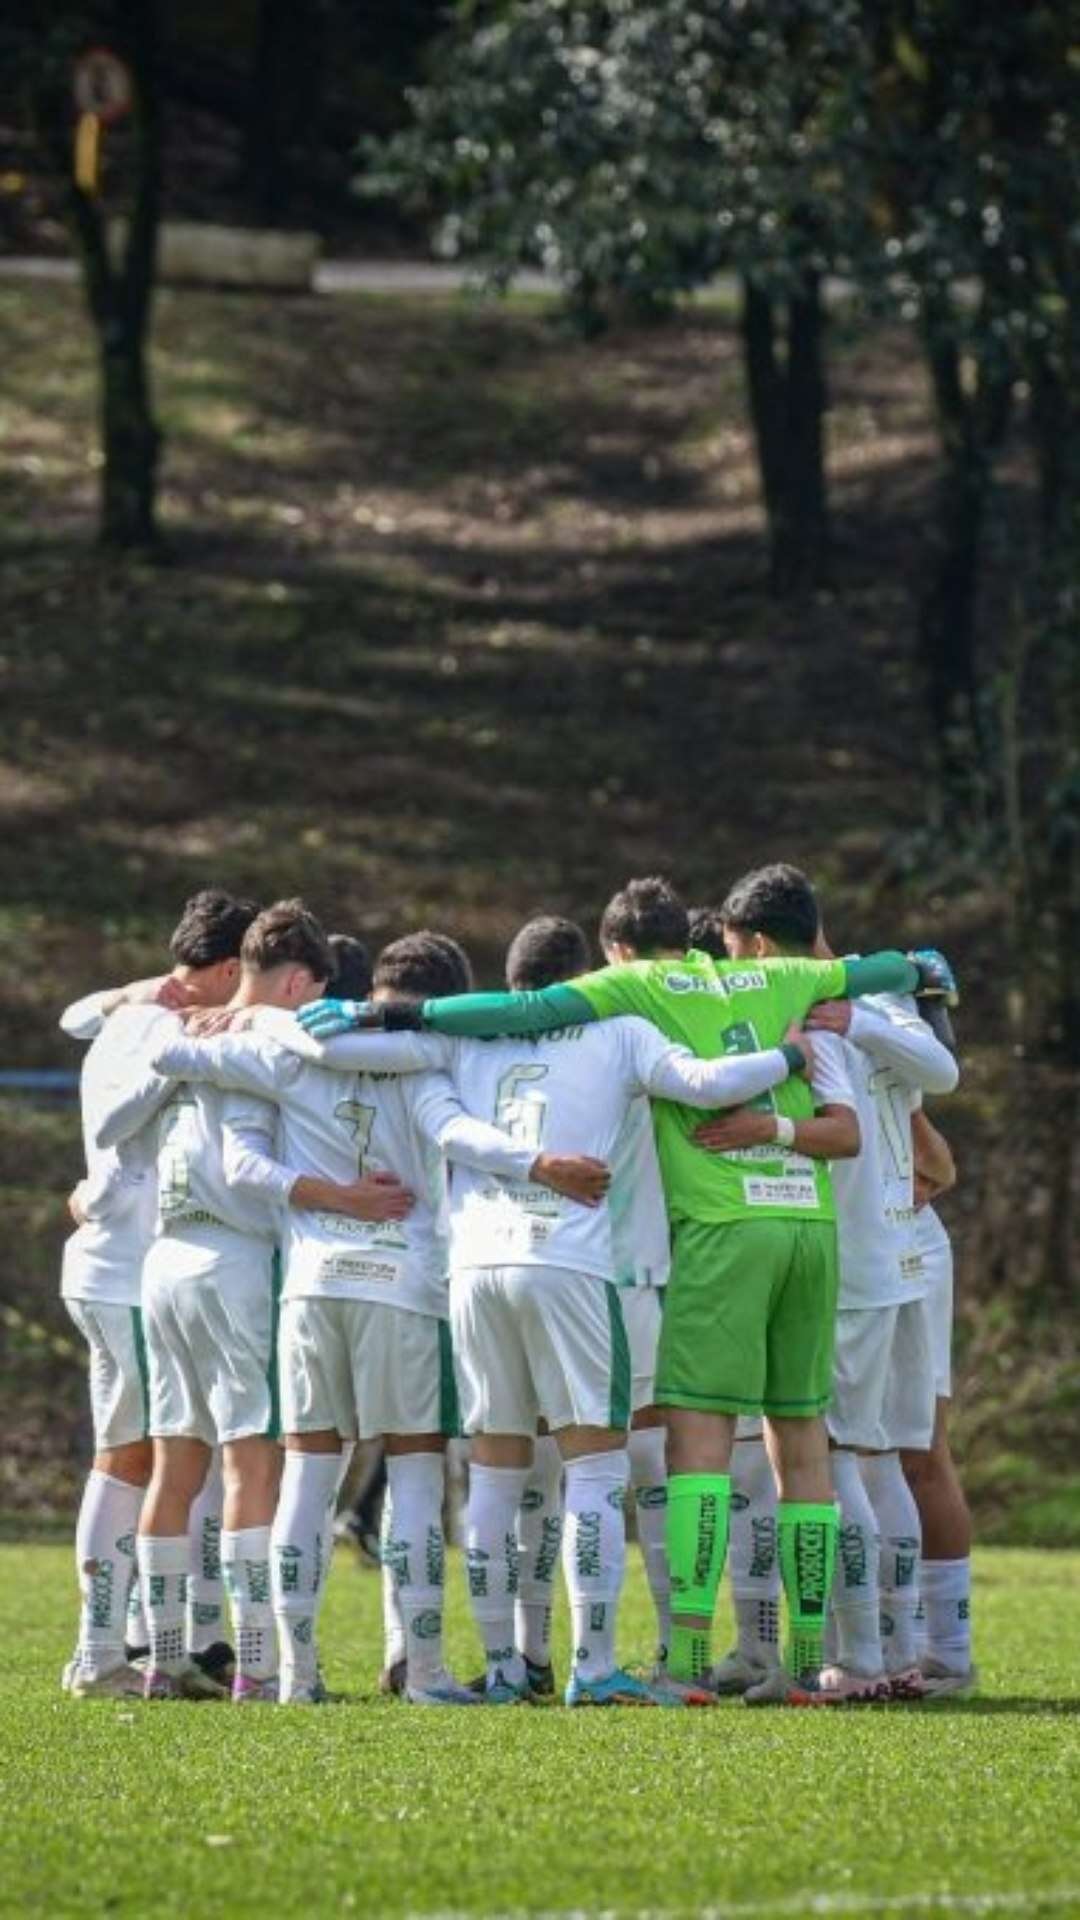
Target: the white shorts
(119, 1387)
(938, 1267)
(363, 1369)
(210, 1312)
(539, 1343)
(883, 1379)
(642, 1309)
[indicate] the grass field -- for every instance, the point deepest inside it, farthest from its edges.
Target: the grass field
(368, 1806)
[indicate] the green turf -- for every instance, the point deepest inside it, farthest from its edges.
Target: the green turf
(372, 1807)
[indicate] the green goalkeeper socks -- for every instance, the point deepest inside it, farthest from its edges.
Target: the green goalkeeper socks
(697, 1534)
(806, 1540)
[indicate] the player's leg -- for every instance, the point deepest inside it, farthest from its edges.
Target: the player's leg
(319, 1418)
(647, 1446)
(908, 1421)
(406, 1381)
(184, 1435)
(235, 1339)
(710, 1368)
(112, 1497)
(753, 1565)
(798, 1388)
(539, 1535)
(499, 1410)
(945, 1567)
(206, 1592)
(864, 1338)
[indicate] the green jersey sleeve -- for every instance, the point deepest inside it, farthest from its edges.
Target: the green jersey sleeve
(486, 1016)
(886, 972)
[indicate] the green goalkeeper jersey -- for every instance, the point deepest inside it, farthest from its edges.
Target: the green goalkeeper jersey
(727, 1006)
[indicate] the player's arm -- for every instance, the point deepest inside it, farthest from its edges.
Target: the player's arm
(244, 1062)
(471, 1142)
(831, 1134)
(674, 1073)
(250, 1164)
(483, 1016)
(894, 1037)
(84, 1019)
(367, 1052)
(935, 1168)
(925, 972)
(132, 1102)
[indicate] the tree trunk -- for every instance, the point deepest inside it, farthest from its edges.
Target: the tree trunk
(265, 160)
(787, 406)
(131, 442)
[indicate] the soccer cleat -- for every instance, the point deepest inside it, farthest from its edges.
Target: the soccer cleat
(942, 1683)
(68, 1675)
(118, 1683)
(736, 1673)
(780, 1689)
(680, 1693)
(313, 1694)
(838, 1686)
(392, 1678)
(188, 1684)
(501, 1692)
(349, 1530)
(444, 1691)
(249, 1692)
(541, 1682)
(908, 1684)
(218, 1664)
(617, 1689)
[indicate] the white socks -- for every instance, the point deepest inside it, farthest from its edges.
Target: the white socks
(539, 1537)
(105, 1561)
(393, 1623)
(946, 1596)
(245, 1564)
(647, 1448)
(300, 1544)
(594, 1555)
(491, 1553)
(855, 1594)
(752, 1555)
(415, 1552)
(898, 1525)
(206, 1594)
(163, 1571)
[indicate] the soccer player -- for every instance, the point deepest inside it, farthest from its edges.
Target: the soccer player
(883, 1392)
(114, 1208)
(210, 1308)
(945, 1567)
(759, 1245)
(364, 1338)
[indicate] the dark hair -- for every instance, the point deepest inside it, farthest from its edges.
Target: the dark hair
(351, 978)
(423, 966)
(646, 915)
(707, 931)
(211, 928)
(545, 950)
(285, 933)
(777, 901)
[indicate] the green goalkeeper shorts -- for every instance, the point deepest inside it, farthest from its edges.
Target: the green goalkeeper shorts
(750, 1318)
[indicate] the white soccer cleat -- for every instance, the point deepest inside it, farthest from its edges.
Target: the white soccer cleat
(779, 1688)
(942, 1683)
(119, 1683)
(840, 1687)
(736, 1673)
(68, 1675)
(443, 1691)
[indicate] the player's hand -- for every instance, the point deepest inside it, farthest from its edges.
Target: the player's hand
(830, 1016)
(326, 1018)
(74, 1207)
(202, 1022)
(378, 1197)
(168, 992)
(578, 1176)
(742, 1127)
(797, 1036)
(924, 1189)
(936, 978)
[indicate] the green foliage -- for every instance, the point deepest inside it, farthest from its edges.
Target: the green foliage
(124, 1809)
(633, 149)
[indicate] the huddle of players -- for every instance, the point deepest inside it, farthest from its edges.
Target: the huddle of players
(526, 1168)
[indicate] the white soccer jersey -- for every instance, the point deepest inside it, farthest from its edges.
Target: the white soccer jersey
(103, 1258)
(892, 1059)
(195, 1144)
(640, 1233)
(337, 1125)
(600, 1070)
